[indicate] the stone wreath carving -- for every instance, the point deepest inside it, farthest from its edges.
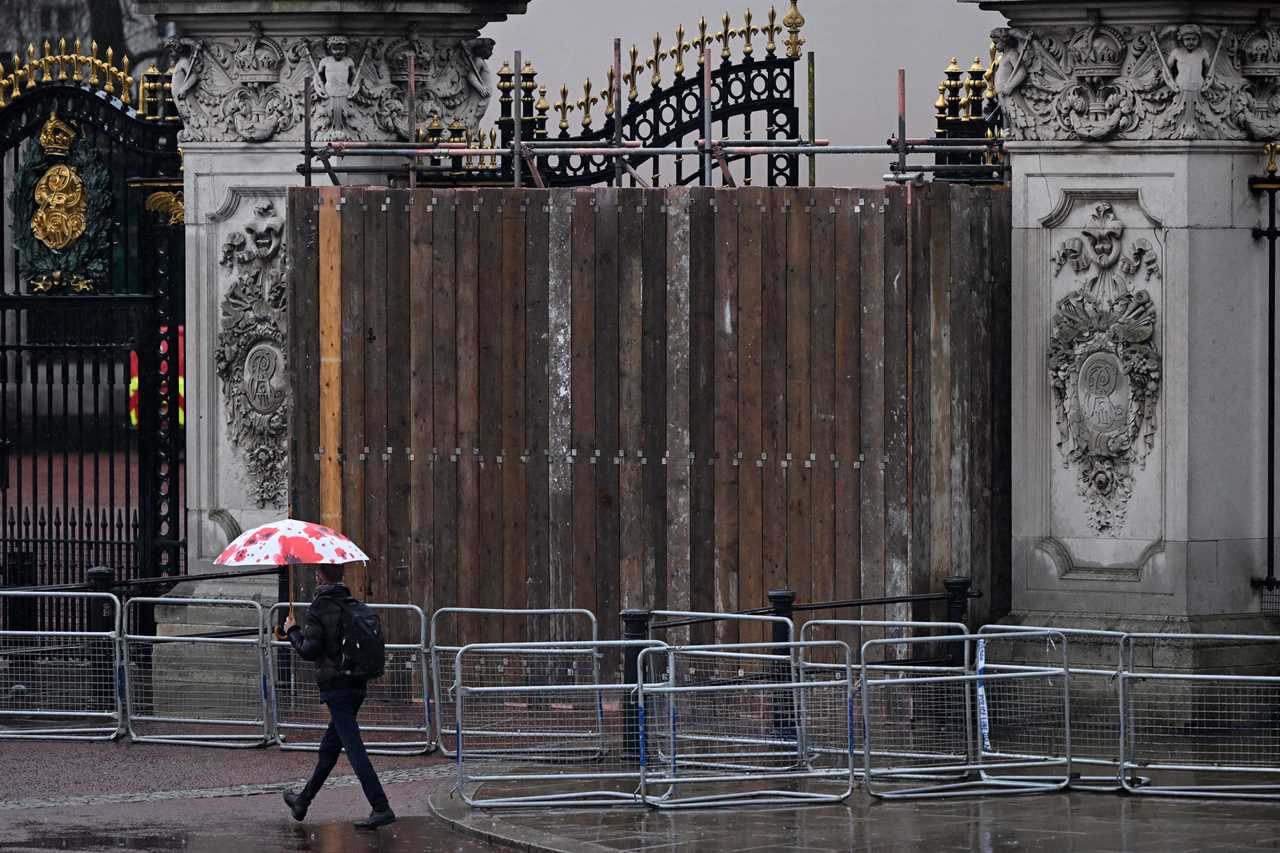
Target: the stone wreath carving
(250, 356)
(251, 89)
(1102, 82)
(1104, 364)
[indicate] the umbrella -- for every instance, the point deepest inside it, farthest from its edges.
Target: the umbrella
(290, 542)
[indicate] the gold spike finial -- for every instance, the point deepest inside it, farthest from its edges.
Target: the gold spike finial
(794, 22)
(940, 105)
(585, 103)
(702, 41)
(75, 61)
(110, 84)
(93, 62)
(654, 63)
(17, 76)
(126, 80)
(632, 77)
(771, 32)
(747, 33)
(32, 66)
(62, 59)
(678, 52)
(725, 36)
(564, 107)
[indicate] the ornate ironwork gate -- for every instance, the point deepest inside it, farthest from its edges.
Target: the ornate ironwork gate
(91, 334)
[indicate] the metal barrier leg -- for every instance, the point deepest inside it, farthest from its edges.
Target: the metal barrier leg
(635, 626)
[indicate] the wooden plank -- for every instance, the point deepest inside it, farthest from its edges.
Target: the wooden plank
(962, 271)
(631, 270)
(354, 454)
(330, 308)
(560, 470)
(873, 390)
(822, 334)
(512, 467)
(895, 383)
(537, 408)
(773, 383)
(799, 398)
(702, 398)
(421, 392)
(749, 263)
(377, 459)
(397, 372)
(654, 399)
(979, 392)
(726, 411)
(919, 425)
(444, 398)
(606, 410)
(490, 583)
(848, 355)
(304, 363)
(679, 473)
(582, 380)
(942, 563)
(471, 571)
(999, 592)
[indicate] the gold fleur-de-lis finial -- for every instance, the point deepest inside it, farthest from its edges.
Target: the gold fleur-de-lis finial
(62, 56)
(110, 86)
(585, 103)
(564, 107)
(47, 62)
(678, 52)
(610, 95)
(703, 40)
(1272, 150)
(75, 63)
(654, 63)
(93, 62)
(632, 77)
(747, 33)
(771, 32)
(725, 36)
(794, 22)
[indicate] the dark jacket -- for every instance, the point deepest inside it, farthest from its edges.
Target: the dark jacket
(319, 638)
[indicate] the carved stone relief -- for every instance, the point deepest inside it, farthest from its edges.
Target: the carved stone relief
(251, 89)
(1102, 82)
(250, 356)
(1104, 363)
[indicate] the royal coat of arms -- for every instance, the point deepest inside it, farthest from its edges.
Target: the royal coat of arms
(1104, 364)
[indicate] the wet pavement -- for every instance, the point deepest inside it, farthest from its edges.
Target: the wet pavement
(148, 798)
(1073, 823)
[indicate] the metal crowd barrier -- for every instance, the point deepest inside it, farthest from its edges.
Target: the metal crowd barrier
(684, 617)
(540, 713)
(1198, 731)
(452, 628)
(1094, 664)
(851, 630)
(395, 717)
(734, 724)
(204, 688)
(929, 728)
(61, 685)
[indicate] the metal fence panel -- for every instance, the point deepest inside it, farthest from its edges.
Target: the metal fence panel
(825, 629)
(207, 687)
(61, 685)
(1094, 662)
(455, 627)
(734, 724)
(1197, 731)
(929, 729)
(536, 725)
(395, 717)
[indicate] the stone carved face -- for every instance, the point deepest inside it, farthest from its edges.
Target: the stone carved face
(337, 47)
(1189, 37)
(1104, 233)
(265, 230)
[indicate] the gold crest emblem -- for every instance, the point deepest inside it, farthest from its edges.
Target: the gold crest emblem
(59, 219)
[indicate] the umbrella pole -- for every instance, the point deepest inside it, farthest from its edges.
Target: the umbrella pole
(291, 590)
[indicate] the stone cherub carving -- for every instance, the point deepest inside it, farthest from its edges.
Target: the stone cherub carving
(1011, 73)
(184, 57)
(479, 77)
(336, 77)
(1189, 69)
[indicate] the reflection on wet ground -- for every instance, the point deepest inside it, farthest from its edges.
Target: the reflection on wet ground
(1074, 822)
(417, 834)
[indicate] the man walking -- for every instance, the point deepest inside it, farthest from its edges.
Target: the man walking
(344, 639)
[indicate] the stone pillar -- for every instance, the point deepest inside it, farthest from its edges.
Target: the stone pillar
(238, 80)
(1139, 308)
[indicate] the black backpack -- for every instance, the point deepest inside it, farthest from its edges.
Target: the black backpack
(364, 652)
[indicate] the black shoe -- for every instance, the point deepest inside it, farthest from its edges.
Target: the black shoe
(377, 819)
(296, 804)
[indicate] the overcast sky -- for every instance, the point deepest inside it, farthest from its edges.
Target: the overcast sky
(859, 44)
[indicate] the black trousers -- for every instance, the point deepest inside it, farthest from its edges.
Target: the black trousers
(344, 733)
